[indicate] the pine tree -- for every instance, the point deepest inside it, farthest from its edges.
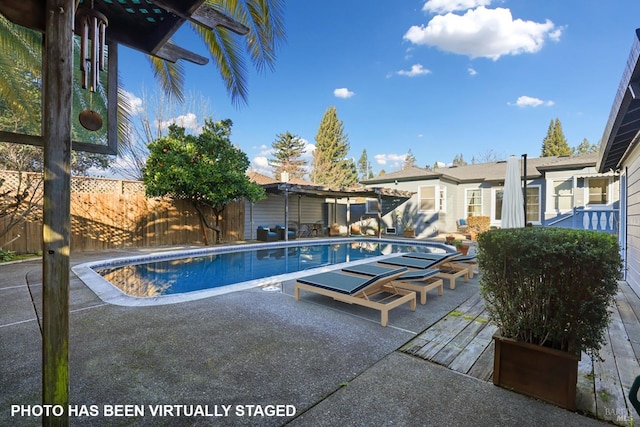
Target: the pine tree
(364, 166)
(409, 160)
(288, 153)
(458, 160)
(330, 165)
(555, 144)
(586, 147)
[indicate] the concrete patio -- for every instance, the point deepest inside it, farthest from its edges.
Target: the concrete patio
(326, 363)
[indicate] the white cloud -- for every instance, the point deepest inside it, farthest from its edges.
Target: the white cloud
(394, 160)
(188, 121)
(528, 101)
(444, 6)
(416, 70)
(482, 32)
(471, 71)
(134, 102)
(343, 93)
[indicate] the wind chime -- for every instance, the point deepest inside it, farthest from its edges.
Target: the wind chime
(92, 25)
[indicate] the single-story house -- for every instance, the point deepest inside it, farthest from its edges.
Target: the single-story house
(562, 191)
(620, 154)
(305, 205)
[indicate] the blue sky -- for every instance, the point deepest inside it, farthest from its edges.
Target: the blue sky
(437, 77)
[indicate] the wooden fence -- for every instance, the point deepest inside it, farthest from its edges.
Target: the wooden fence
(111, 213)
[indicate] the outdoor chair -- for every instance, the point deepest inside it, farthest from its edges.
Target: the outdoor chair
(442, 262)
(420, 282)
(265, 234)
(291, 232)
(378, 292)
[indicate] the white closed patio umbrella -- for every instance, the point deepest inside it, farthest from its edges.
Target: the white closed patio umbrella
(512, 199)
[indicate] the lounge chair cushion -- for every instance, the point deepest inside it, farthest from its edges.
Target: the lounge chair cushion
(343, 283)
(374, 270)
(410, 262)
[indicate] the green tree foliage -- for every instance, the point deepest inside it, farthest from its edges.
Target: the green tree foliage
(330, 165)
(265, 20)
(409, 160)
(288, 153)
(586, 147)
(555, 144)
(206, 169)
(364, 166)
(458, 160)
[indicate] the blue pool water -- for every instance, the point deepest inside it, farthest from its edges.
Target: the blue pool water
(196, 273)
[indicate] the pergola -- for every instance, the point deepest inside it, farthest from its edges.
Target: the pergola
(391, 196)
(142, 25)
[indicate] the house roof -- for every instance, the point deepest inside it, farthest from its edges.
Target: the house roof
(621, 132)
(301, 186)
(492, 171)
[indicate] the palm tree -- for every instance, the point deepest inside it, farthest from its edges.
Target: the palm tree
(265, 20)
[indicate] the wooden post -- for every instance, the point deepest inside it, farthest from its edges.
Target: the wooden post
(57, 95)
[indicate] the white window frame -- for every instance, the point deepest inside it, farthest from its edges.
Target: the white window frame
(555, 196)
(539, 187)
(494, 211)
(436, 201)
(367, 208)
(442, 200)
(466, 198)
(609, 192)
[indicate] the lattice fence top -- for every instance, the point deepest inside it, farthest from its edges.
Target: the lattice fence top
(79, 184)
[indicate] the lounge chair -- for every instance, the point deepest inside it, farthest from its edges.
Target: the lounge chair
(377, 292)
(420, 282)
(442, 262)
(265, 234)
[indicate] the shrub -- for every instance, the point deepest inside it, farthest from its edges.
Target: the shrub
(479, 224)
(550, 286)
(6, 256)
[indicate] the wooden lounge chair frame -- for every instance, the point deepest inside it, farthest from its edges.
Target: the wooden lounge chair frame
(370, 293)
(442, 262)
(420, 285)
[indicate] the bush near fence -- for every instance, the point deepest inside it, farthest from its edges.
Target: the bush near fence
(112, 213)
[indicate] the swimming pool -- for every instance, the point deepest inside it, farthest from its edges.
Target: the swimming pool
(165, 278)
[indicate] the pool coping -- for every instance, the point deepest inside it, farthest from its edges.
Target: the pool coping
(111, 294)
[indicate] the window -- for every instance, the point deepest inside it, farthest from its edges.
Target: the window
(598, 191)
(372, 206)
(497, 204)
(474, 202)
(427, 199)
(443, 198)
(533, 204)
(563, 195)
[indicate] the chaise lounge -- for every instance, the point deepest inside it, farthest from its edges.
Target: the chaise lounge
(378, 292)
(442, 262)
(420, 282)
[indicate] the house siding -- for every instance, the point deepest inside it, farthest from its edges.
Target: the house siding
(271, 212)
(633, 221)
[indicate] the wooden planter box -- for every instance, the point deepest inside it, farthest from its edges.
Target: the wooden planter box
(536, 371)
(411, 233)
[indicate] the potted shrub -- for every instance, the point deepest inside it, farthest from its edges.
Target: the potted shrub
(409, 231)
(460, 246)
(548, 290)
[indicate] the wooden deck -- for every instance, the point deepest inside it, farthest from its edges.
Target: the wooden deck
(462, 341)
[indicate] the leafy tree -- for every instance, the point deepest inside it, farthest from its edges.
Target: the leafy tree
(364, 166)
(458, 160)
(555, 144)
(265, 20)
(586, 147)
(206, 169)
(330, 165)
(382, 172)
(288, 153)
(409, 160)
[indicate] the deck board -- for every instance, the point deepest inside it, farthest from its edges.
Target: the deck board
(462, 341)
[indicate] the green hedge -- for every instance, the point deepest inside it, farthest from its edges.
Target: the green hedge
(550, 286)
